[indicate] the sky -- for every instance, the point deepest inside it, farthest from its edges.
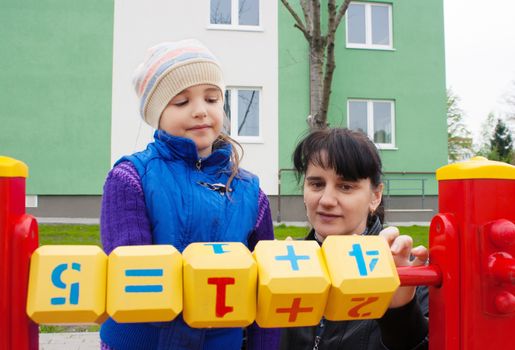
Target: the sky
(480, 56)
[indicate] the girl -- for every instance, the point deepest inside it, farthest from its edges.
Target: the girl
(185, 187)
(343, 196)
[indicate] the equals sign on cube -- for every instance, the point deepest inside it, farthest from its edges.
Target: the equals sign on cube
(146, 288)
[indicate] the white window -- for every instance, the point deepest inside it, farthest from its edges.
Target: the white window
(369, 25)
(243, 109)
(235, 14)
(375, 118)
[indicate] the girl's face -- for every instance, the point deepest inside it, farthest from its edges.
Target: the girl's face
(336, 206)
(196, 113)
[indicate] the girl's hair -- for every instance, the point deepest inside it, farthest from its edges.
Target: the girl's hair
(351, 154)
(235, 156)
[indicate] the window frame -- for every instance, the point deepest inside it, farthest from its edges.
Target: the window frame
(233, 104)
(234, 14)
(370, 120)
(368, 27)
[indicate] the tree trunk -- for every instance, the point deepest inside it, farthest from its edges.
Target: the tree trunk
(321, 54)
(330, 66)
(317, 118)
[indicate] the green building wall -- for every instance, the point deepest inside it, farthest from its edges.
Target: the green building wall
(55, 98)
(412, 74)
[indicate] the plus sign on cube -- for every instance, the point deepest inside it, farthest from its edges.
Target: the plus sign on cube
(145, 283)
(363, 274)
(67, 284)
(293, 283)
(219, 285)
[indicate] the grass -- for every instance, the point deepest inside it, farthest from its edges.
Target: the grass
(69, 234)
(282, 231)
(419, 234)
(68, 329)
(89, 235)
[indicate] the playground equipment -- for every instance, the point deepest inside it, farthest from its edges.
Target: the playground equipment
(214, 284)
(472, 240)
(18, 239)
(471, 273)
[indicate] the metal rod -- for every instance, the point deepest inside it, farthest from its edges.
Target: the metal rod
(429, 275)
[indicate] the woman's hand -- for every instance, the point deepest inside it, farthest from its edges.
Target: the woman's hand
(401, 247)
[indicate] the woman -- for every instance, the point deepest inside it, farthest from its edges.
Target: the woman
(343, 196)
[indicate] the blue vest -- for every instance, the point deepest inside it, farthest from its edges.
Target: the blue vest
(187, 202)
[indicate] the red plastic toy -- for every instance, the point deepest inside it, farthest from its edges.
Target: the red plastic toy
(18, 239)
(472, 241)
(471, 273)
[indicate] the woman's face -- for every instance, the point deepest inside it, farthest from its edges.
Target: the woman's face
(336, 206)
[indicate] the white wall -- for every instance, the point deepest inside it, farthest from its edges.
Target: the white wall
(248, 58)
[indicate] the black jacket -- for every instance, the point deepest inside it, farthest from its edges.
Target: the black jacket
(403, 328)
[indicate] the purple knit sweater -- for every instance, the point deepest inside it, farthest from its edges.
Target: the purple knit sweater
(124, 221)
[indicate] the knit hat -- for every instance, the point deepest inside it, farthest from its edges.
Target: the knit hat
(168, 69)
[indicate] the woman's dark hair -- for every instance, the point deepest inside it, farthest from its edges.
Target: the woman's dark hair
(351, 154)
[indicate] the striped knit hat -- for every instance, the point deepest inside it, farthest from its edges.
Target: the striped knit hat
(168, 69)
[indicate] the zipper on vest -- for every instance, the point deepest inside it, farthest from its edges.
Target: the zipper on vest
(319, 332)
(199, 163)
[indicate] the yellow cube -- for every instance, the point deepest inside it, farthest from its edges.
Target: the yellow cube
(67, 284)
(145, 283)
(293, 283)
(363, 274)
(219, 285)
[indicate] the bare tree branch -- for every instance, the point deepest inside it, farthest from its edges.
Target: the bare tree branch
(308, 15)
(330, 66)
(247, 112)
(341, 13)
(298, 21)
(315, 9)
(331, 27)
(218, 17)
(509, 101)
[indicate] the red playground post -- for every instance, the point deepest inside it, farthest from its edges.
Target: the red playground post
(18, 239)
(472, 241)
